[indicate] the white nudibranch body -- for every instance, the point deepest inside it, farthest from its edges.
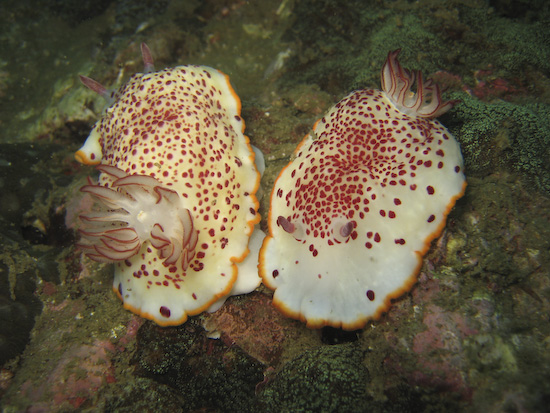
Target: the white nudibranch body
(175, 205)
(355, 211)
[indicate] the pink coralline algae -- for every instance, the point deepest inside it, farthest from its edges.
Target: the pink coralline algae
(255, 326)
(444, 335)
(74, 379)
(355, 211)
(444, 331)
(487, 86)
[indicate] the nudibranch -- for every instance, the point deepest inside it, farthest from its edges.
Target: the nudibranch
(354, 212)
(175, 205)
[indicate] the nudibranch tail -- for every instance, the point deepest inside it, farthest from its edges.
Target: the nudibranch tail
(136, 209)
(397, 83)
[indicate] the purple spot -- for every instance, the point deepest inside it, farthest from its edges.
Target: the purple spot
(275, 273)
(370, 295)
(164, 311)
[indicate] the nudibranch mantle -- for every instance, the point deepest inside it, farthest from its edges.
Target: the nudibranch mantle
(175, 204)
(354, 212)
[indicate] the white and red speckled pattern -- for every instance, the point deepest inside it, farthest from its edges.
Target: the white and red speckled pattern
(352, 215)
(174, 160)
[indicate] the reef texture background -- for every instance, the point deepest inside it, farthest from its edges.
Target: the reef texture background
(472, 335)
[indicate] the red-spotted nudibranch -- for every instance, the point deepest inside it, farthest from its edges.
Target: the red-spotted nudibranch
(355, 211)
(176, 203)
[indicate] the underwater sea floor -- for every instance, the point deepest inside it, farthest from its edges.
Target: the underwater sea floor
(473, 334)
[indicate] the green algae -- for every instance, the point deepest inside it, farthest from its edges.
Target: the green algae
(460, 37)
(202, 373)
(138, 395)
(30, 241)
(523, 44)
(40, 58)
(493, 213)
(327, 379)
(18, 305)
(353, 46)
(503, 136)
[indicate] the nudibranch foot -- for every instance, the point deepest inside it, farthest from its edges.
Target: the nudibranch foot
(248, 279)
(364, 195)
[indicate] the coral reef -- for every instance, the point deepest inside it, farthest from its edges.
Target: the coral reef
(472, 334)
